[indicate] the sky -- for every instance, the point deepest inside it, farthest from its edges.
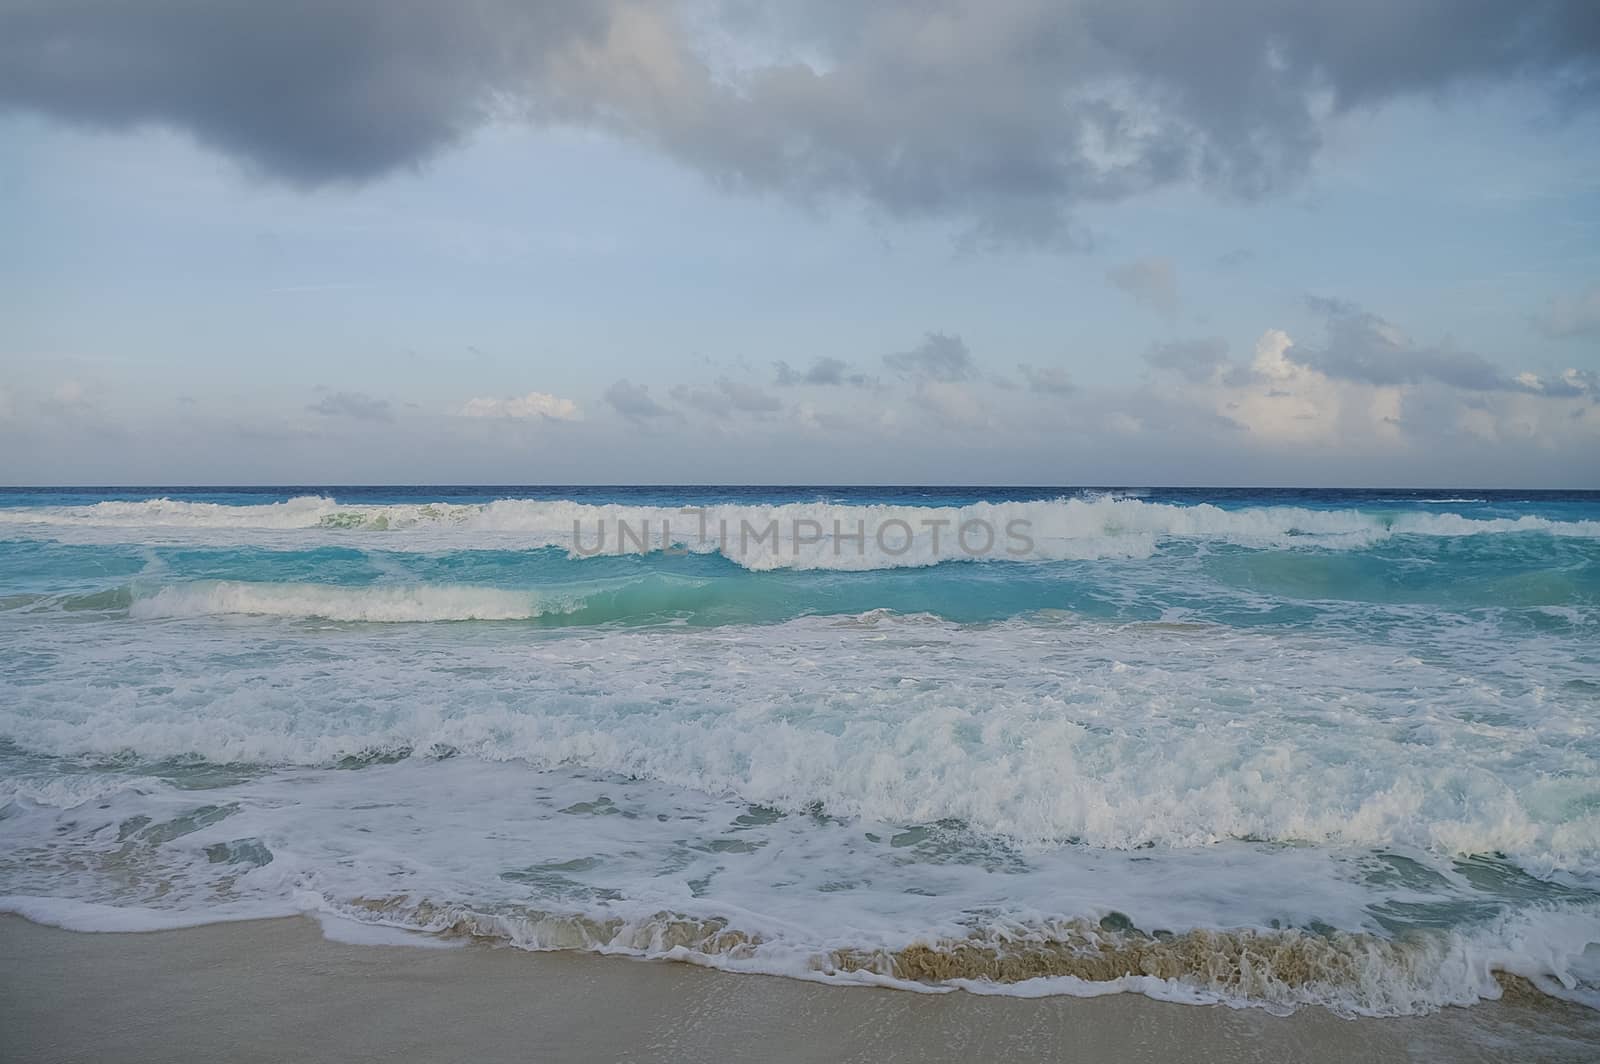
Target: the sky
(1131, 243)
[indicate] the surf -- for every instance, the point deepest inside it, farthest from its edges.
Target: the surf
(795, 535)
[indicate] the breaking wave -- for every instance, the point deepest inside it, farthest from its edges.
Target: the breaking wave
(815, 535)
(1332, 748)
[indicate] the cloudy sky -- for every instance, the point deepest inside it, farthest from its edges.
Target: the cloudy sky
(752, 241)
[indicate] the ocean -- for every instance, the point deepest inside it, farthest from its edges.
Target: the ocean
(1268, 747)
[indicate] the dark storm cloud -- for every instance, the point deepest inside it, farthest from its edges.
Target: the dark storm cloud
(1362, 346)
(308, 90)
(634, 401)
(1002, 114)
(939, 357)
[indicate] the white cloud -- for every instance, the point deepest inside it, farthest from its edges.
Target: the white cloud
(1284, 398)
(534, 404)
(1285, 401)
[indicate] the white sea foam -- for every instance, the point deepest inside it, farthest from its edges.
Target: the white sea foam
(73, 915)
(568, 860)
(1119, 737)
(815, 535)
(304, 511)
(817, 797)
(337, 928)
(69, 790)
(413, 602)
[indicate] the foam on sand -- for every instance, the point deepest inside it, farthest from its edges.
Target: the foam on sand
(349, 1002)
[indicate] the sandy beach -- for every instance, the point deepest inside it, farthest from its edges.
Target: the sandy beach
(278, 990)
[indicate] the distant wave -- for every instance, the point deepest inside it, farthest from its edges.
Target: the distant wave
(810, 535)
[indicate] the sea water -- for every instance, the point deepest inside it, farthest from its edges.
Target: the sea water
(1267, 747)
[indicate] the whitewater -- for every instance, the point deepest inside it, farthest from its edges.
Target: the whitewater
(1269, 747)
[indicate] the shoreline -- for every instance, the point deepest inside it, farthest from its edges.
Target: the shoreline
(279, 989)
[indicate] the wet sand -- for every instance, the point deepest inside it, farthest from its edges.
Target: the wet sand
(277, 990)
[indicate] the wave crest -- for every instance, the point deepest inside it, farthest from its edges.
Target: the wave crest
(812, 535)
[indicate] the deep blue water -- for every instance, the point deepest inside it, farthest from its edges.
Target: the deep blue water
(1498, 501)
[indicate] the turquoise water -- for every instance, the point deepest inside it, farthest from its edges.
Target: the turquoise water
(1346, 733)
